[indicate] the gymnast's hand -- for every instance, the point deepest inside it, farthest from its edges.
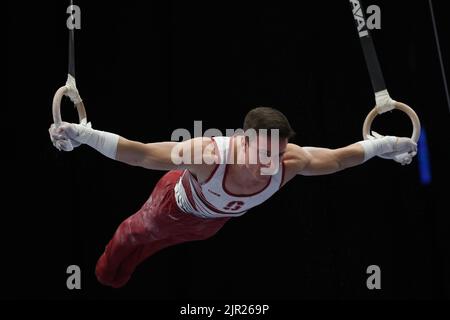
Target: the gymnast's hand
(403, 149)
(68, 136)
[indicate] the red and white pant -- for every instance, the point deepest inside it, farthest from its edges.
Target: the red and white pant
(157, 225)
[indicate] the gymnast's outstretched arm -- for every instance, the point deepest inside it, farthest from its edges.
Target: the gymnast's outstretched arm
(156, 156)
(167, 155)
(320, 161)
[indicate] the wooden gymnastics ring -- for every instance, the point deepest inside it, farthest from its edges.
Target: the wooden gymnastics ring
(56, 108)
(397, 105)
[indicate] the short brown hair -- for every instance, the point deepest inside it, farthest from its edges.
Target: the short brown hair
(268, 118)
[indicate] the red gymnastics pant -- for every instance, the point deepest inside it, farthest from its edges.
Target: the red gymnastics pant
(158, 224)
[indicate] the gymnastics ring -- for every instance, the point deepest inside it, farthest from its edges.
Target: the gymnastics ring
(400, 106)
(56, 108)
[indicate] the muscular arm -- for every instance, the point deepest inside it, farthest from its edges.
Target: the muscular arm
(319, 161)
(196, 154)
(155, 156)
(164, 155)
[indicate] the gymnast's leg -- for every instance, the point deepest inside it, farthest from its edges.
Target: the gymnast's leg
(157, 225)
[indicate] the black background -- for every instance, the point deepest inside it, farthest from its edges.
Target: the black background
(144, 70)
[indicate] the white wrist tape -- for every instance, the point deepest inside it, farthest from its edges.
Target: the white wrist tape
(102, 141)
(376, 147)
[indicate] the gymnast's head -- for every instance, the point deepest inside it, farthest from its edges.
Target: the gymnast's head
(266, 135)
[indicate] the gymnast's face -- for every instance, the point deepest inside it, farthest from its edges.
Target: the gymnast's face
(264, 154)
